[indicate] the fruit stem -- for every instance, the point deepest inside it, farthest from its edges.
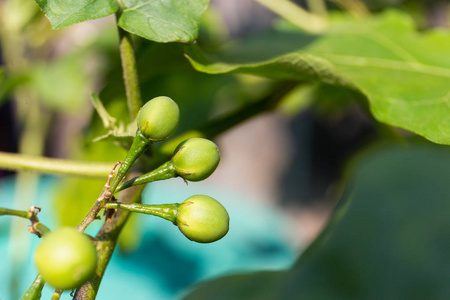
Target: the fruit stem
(165, 171)
(56, 294)
(165, 211)
(140, 144)
(35, 289)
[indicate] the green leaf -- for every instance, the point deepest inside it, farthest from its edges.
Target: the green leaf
(63, 13)
(388, 239)
(163, 20)
(403, 74)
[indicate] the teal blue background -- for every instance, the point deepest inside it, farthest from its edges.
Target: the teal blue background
(166, 264)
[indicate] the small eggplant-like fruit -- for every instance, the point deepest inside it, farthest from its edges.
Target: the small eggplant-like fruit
(196, 159)
(202, 219)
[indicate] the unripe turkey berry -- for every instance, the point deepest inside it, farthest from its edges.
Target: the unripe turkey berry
(66, 258)
(196, 159)
(202, 219)
(158, 118)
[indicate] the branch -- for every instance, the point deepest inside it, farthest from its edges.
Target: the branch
(13, 161)
(34, 291)
(36, 226)
(105, 242)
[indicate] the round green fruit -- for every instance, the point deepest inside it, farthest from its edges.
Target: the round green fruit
(202, 219)
(159, 118)
(66, 258)
(196, 159)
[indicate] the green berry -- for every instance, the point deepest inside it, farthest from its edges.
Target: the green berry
(202, 219)
(158, 118)
(66, 258)
(196, 159)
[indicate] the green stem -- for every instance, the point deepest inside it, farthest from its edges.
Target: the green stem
(105, 242)
(221, 124)
(18, 213)
(140, 144)
(39, 229)
(130, 75)
(36, 226)
(165, 211)
(56, 294)
(296, 15)
(165, 171)
(317, 7)
(12, 161)
(355, 8)
(34, 291)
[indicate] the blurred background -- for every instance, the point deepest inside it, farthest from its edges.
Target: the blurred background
(281, 176)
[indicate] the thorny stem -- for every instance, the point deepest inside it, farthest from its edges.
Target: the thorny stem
(105, 242)
(134, 102)
(130, 76)
(98, 205)
(36, 226)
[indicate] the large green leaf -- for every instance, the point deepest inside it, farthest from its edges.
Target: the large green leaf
(63, 13)
(390, 238)
(163, 20)
(405, 75)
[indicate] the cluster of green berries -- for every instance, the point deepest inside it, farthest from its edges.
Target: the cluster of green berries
(66, 258)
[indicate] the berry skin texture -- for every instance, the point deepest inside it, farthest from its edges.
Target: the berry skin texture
(202, 219)
(196, 159)
(66, 258)
(159, 118)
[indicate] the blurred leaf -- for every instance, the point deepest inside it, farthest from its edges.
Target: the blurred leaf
(9, 83)
(131, 235)
(63, 13)
(163, 20)
(403, 74)
(63, 83)
(298, 99)
(389, 239)
(75, 196)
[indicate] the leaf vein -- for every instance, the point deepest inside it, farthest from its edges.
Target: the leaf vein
(140, 5)
(389, 64)
(70, 15)
(164, 21)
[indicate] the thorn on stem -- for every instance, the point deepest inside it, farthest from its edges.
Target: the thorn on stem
(35, 209)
